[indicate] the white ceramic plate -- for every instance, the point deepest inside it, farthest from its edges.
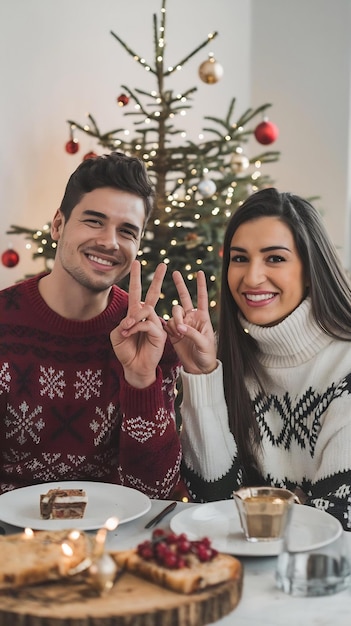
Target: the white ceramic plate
(20, 507)
(310, 528)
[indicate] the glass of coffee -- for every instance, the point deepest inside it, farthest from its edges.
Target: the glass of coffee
(265, 512)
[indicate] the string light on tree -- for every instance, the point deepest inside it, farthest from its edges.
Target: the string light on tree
(45, 246)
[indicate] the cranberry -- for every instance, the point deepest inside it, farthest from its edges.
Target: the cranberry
(146, 553)
(206, 541)
(184, 546)
(158, 533)
(171, 560)
(144, 544)
(161, 549)
(171, 550)
(204, 553)
(181, 562)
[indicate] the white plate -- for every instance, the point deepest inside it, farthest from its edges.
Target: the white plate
(310, 528)
(20, 507)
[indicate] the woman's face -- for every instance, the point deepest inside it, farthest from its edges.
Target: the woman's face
(265, 273)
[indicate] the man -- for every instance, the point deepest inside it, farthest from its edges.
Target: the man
(87, 377)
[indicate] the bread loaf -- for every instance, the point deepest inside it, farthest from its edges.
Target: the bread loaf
(26, 560)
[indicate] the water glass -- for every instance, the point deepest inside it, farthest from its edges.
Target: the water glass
(322, 570)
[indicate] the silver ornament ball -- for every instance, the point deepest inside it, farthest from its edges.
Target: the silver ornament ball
(206, 187)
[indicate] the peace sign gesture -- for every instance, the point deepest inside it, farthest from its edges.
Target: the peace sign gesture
(139, 340)
(190, 330)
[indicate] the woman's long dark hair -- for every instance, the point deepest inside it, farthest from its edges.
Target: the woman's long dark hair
(330, 293)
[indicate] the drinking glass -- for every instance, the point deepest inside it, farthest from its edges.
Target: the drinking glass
(322, 569)
(264, 512)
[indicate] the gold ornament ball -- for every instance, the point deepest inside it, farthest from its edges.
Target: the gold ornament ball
(210, 71)
(239, 163)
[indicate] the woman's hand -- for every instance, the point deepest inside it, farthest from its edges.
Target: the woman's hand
(190, 330)
(139, 340)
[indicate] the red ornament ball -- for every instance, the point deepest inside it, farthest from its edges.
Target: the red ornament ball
(10, 258)
(122, 100)
(266, 132)
(72, 146)
(89, 155)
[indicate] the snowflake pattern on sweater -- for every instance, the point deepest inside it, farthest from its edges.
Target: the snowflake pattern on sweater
(304, 418)
(67, 412)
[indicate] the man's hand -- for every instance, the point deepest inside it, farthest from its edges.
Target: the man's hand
(190, 330)
(139, 340)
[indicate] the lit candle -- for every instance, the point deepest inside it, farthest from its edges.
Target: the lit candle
(66, 562)
(100, 537)
(66, 549)
(74, 535)
(111, 523)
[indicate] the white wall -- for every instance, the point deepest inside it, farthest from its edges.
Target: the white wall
(301, 61)
(58, 61)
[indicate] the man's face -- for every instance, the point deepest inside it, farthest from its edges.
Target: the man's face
(98, 243)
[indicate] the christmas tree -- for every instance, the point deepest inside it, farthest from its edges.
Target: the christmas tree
(198, 183)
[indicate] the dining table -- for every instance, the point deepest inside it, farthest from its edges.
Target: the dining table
(261, 603)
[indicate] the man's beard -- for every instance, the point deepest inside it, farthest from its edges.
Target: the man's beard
(95, 287)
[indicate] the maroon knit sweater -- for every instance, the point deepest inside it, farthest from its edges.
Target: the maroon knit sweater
(66, 411)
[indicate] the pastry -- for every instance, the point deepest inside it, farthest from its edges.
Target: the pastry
(63, 504)
(177, 563)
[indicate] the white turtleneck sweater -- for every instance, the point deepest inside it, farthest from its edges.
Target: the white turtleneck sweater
(304, 418)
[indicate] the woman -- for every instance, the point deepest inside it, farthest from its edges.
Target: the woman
(275, 408)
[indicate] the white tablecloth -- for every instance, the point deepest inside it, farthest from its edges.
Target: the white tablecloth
(262, 604)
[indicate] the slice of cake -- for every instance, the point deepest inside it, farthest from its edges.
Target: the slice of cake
(63, 504)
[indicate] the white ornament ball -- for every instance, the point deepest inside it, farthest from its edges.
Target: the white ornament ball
(210, 71)
(206, 187)
(239, 163)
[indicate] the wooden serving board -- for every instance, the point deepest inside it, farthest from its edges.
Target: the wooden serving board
(132, 602)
